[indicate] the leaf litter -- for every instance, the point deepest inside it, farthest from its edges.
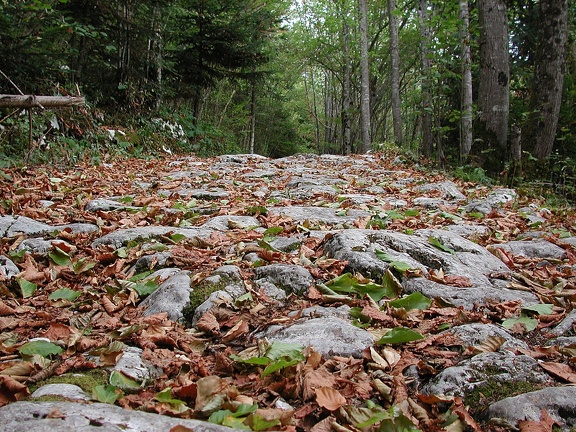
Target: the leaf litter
(76, 304)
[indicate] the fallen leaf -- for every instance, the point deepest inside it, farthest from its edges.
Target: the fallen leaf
(559, 370)
(11, 390)
(329, 398)
(545, 424)
(491, 344)
(208, 323)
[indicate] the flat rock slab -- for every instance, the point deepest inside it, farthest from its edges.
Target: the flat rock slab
(538, 248)
(21, 225)
(323, 215)
(499, 367)
(559, 402)
(172, 296)
(120, 237)
(98, 417)
(289, 278)
(329, 336)
(67, 391)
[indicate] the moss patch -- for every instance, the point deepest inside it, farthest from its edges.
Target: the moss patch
(86, 381)
(485, 394)
(200, 294)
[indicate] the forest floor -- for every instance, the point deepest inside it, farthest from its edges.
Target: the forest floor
(76, 305)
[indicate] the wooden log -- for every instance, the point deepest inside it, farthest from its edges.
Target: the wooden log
(32, 101)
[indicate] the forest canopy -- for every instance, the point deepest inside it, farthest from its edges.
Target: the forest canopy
(486, 83)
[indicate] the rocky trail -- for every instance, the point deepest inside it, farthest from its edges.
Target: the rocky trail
(309, 293)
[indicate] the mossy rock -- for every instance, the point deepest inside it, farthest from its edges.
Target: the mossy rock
(86, 381)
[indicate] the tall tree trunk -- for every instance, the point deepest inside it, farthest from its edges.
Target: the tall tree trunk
(494, 87)
(347, 99)
(126, 15)
(549, 62)
(365, 79)
(466, 101)
(426, 115)
(395, 79)
(252, 117)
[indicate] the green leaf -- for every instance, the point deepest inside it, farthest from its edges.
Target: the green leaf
(219, 416)
(356, 312)
(376, 418)
(436, 243)
(60, 257)
(346, 283)
(263, 361)
(278, 365)
(27, 288)
(83, 265)
(64, 294)
(540, 309)
(118, 379)
(106, 393)
(165, 396)
(414, 301)
(529, 323)
(140, 276)
(255, 210)
(412, 213)
(272, 231)
(400, 423)
(146, 288)
(40, 347)
(121, 252)
(176, 237)
(400, 335)
(17, 256)
(259, 423)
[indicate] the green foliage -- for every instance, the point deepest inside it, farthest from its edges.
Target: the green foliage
(276, 356)
(399, 335)
(40, 347)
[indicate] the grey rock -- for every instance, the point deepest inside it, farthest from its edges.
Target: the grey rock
(38, 246)
(476, 333)
(329, 336)
(531, 216)
(120, 237)
(102, 204)
(151, 262)
(449, 189)
(566, 326)
(132, 365)
(563, 341)
(559, 402)
(538, 248)
(269, 289)
(215, 299)
(171, 297)
(260, 174)
(569, 240)
(358, 198)
(342, 312)
(468, 231)
(286, 244)
(98, 417)
(290, 278)
(224, 223)
(5, 223)
(212, 194)
(46, 203)
(319, 214)
(67, 391)
(501, 196)
(242, 158)
(468, 297)
(429, 203)
(7, 268)
(22, 225)
(503, 366)
(478, 206)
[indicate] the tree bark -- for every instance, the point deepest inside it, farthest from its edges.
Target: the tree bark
(426, 115)
(494, 87)
(549, 62)
(365, 78)
(31, 101)
(466, 98)
(347, 99)
(395, 78)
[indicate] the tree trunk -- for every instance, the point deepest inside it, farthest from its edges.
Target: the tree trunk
(31, 101)
(494, 87)
(347, 100)
(466, 101)
(252, 117)
(426, 115)
(365, 78)
(549, 62)
(395, 57)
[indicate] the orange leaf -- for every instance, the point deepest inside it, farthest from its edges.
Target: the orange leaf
(5, 309)
(559, 370)
(329, 398)
(544, 425)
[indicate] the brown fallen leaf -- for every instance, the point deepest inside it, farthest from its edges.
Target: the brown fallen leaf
(208, 323)
(491, 344)
(239, 329)
(5, 309)
(462, 412)
(544, 425)
(11, 390)
(329, 398)
(559, 370)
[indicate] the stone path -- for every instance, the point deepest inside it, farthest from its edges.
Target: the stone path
(459, 242)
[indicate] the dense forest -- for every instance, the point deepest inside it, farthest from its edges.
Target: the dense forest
(486, 84)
